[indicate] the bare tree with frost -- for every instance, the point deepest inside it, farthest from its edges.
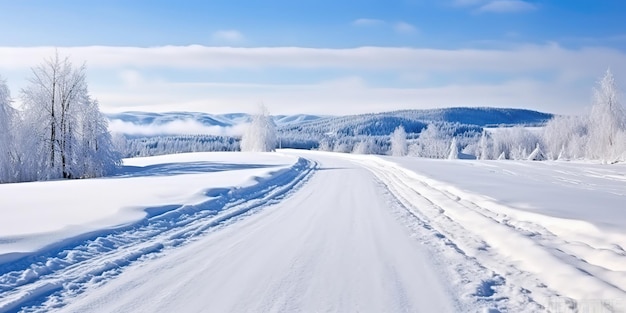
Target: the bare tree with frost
(607, 122)
(65, 134)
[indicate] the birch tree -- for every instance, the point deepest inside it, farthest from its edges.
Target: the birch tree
(7, 152)
(67, 133)
(607, 122)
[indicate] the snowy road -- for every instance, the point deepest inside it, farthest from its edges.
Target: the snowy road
(353, 233)
(334, 246)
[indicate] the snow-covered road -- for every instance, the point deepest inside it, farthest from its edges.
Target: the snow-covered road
(336, 245)
(351, 233)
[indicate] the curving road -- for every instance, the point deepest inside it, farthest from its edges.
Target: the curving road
(339, 243)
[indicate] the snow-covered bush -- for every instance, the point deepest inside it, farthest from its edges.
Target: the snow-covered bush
(261, 133)
(514, 143)
(537, 154)
(342, 147)
(565, 137)
(433, 142)
(454, 150)
(365, 146)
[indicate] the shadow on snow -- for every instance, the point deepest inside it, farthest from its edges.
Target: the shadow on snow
(171, 169)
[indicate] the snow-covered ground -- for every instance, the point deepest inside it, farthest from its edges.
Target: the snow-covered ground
(41, 213)
(555, 231)
(313, 231)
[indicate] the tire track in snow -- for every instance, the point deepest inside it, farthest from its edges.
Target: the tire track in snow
(476, 281)
(518, 249)
(51, 275)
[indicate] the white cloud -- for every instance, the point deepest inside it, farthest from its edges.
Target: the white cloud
(521, 58)
(367, 22)
(507, 6)
(404, 27)
(228, 36)
(351, 96)
(131, 78)
(567, 77)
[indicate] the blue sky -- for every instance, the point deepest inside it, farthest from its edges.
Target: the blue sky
(323, 57)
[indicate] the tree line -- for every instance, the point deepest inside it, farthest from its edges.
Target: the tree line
(59, 131)
(600, 135)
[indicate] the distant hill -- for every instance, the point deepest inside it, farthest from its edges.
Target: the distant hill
(481, 116)
(413, 121)
(470, 116)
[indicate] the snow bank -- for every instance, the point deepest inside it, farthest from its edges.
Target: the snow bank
(555, 229)
(38, 214)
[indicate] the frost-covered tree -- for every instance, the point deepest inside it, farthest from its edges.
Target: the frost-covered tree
(50, 103)
(398, 142)
(483, 147)
(365, 146)
(454, 150)
(260, 136)
(433, 142)
(607, 122)
(565, 137)
(341, 146)
(94, 153)
(325, 145)
(514, 143)
(64, 134)
(7, 152)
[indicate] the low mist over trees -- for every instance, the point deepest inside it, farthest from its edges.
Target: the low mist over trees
(59, 132)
